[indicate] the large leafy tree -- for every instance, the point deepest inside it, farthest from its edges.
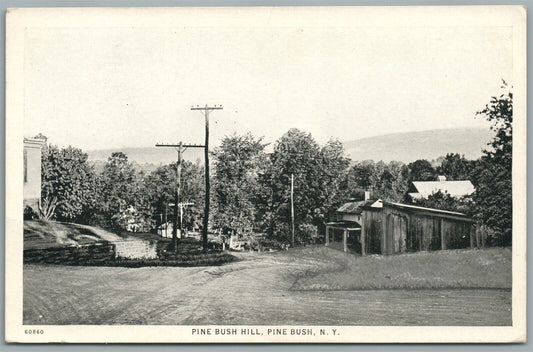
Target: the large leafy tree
(157, 190)
(421, 170)
(455, 167)
(296, 155)
(69, 185)
(393, 182)
(118, 185)
(317, 179)
(334, 167)
(492, 175)
(382, 180)
(238, 162)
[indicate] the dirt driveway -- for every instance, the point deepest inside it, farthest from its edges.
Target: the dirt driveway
(255, 290)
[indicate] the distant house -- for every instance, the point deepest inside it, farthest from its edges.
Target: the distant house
(423, 189)
(32, 173)
(165, 230)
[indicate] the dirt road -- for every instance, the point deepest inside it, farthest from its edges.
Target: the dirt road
(255, 290)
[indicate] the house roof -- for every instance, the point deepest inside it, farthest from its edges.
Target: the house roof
(453, 188)
(33, 142)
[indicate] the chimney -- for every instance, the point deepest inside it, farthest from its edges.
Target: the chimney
(367, 195)
(441, 178)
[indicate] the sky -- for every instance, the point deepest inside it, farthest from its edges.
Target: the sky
(100, 88)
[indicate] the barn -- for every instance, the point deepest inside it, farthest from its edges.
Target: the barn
(399, 228)
(383, 227)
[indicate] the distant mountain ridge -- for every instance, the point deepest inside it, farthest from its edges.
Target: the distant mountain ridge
(405, 147)
(148, 155)
(411, 146)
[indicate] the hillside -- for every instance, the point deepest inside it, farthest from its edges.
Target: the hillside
(404, 147)
(149, 155)
(410, 146)
(145, 158)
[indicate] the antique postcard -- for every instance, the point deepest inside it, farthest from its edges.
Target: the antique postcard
(286, 174)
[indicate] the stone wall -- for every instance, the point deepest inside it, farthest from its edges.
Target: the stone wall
(99, 253)
(135, 249)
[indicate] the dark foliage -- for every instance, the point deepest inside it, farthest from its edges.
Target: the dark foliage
(455, 167)
(421, 170)
(70, 187)
(492, 175)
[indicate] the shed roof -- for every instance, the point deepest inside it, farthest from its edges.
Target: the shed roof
(433, 211)
(372, 204)
(453, 188)
(347, 225)
(351, 208)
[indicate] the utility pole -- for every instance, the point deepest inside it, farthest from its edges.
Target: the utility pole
(166, 220)
(292, 209)
(180, 148)
(206, 111)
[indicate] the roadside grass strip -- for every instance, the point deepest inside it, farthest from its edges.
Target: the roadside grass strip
(450, 269)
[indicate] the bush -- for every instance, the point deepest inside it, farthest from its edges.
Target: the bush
(30, 214)
(269, 243)
(308, 233)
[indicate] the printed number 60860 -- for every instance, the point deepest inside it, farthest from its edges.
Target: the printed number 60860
(33, 332)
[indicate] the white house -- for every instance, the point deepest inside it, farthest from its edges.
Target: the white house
(423, 189)
(32, 173)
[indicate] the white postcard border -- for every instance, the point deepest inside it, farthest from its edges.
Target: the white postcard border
(20, 19)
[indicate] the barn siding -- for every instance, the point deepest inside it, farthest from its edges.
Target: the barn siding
(395, 230)
(372, 229)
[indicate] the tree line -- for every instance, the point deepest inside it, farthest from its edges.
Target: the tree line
(251, 187)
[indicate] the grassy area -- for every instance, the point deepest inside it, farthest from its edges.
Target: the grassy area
(467, 268)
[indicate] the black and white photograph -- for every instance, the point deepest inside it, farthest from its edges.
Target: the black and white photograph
(312, 174)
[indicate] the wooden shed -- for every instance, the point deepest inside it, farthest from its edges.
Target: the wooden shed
(399, 228)
(348, 219)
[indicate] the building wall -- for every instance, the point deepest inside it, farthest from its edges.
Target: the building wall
(371, 228)
(32, 173)
(393, 230)
(349, 217)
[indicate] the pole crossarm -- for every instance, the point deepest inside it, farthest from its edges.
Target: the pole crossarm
(215, 107)
(178, 145)
(181, 205)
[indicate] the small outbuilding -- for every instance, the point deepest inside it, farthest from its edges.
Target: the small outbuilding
(403, 228)
(345, 232)
(382, 227)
